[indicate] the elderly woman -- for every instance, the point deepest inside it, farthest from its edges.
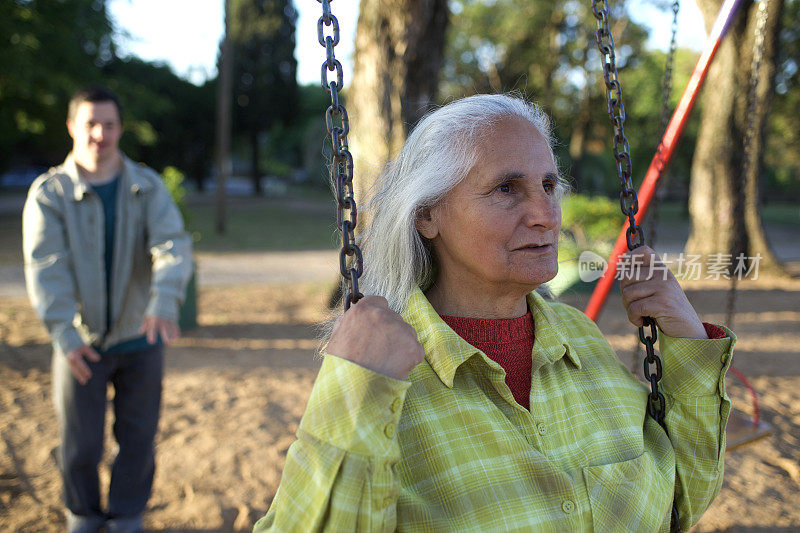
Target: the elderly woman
(455, 398)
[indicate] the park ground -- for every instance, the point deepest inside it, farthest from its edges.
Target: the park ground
(236, 386)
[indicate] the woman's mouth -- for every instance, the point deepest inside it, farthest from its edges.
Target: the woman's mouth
(537, 248)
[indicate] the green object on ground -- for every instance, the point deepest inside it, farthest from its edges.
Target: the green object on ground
(187, 315)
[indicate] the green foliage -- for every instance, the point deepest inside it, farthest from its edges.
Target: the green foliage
(276, 167)
(48, 50)
(169, 121)
(547, 51)
(782, 154)
(174, 181)
(265, 88)
(301, 142)
(264, 69)
(590, 219)
(643, 114)
(588, 223)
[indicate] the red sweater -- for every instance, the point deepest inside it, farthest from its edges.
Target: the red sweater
(509, 343)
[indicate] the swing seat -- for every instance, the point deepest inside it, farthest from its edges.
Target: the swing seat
(741, 430)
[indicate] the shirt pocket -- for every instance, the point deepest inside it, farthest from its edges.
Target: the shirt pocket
(628, 496)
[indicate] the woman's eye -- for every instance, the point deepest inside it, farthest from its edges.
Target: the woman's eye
(505, 188)
(549, 187)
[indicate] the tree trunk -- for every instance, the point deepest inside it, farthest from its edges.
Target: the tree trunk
(223, 124)
(255, 168)
(723, 204)
(399, 47)
(756, 237)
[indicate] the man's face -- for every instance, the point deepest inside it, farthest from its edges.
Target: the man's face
(95, 130)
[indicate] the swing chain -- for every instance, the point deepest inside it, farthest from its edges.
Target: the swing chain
(629, 204)
(666, 82)
(752, 96)
(338, 126)
(749, 134)
(666, 92)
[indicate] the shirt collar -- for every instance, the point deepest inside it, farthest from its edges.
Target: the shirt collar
(79, 186)
(129, 175)
(445, 351)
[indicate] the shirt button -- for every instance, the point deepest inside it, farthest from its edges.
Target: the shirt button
(396, 405)
(389, 430)
(541, 428)
(567, 506)
(387, 502)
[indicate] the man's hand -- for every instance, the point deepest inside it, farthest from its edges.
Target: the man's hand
(78, 366)
(152, 326)
(375, 337)
(650, 289)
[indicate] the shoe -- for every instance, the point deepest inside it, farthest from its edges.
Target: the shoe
(125, 524)
(84, 524)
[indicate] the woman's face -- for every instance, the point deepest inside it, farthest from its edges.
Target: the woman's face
(496, 233)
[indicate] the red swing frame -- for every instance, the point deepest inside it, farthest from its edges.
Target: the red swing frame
(741, 430)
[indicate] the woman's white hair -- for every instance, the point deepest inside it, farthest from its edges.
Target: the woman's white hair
(437, 155)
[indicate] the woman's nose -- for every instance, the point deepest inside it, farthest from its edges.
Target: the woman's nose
(541, 210)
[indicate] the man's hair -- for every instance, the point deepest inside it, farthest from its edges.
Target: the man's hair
(93, 93)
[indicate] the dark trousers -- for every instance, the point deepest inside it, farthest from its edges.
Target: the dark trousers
(136, 379)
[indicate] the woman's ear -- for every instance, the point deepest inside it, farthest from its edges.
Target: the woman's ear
(426, 223)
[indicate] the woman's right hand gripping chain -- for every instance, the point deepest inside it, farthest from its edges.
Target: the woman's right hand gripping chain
(375, 337)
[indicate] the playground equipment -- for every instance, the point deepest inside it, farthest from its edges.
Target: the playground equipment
(633, 205)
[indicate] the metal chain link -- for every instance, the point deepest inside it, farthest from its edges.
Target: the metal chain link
(749, 134)
(629, 204)
(666, 81)
(338, 126)
(666, 93)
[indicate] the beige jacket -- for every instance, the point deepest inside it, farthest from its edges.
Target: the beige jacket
(63, 248)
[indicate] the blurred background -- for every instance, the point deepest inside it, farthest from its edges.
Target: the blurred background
(247, 160)
(162, 58)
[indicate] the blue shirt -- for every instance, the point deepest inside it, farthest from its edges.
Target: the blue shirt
(107, 192)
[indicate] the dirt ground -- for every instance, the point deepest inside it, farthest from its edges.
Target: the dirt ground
(235, 389)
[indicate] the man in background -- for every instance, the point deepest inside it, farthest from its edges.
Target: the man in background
(106, 265)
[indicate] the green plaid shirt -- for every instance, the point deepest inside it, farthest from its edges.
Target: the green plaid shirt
(450, 449)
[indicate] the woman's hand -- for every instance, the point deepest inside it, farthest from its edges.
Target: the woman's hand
(375, 337)
(650, 289)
